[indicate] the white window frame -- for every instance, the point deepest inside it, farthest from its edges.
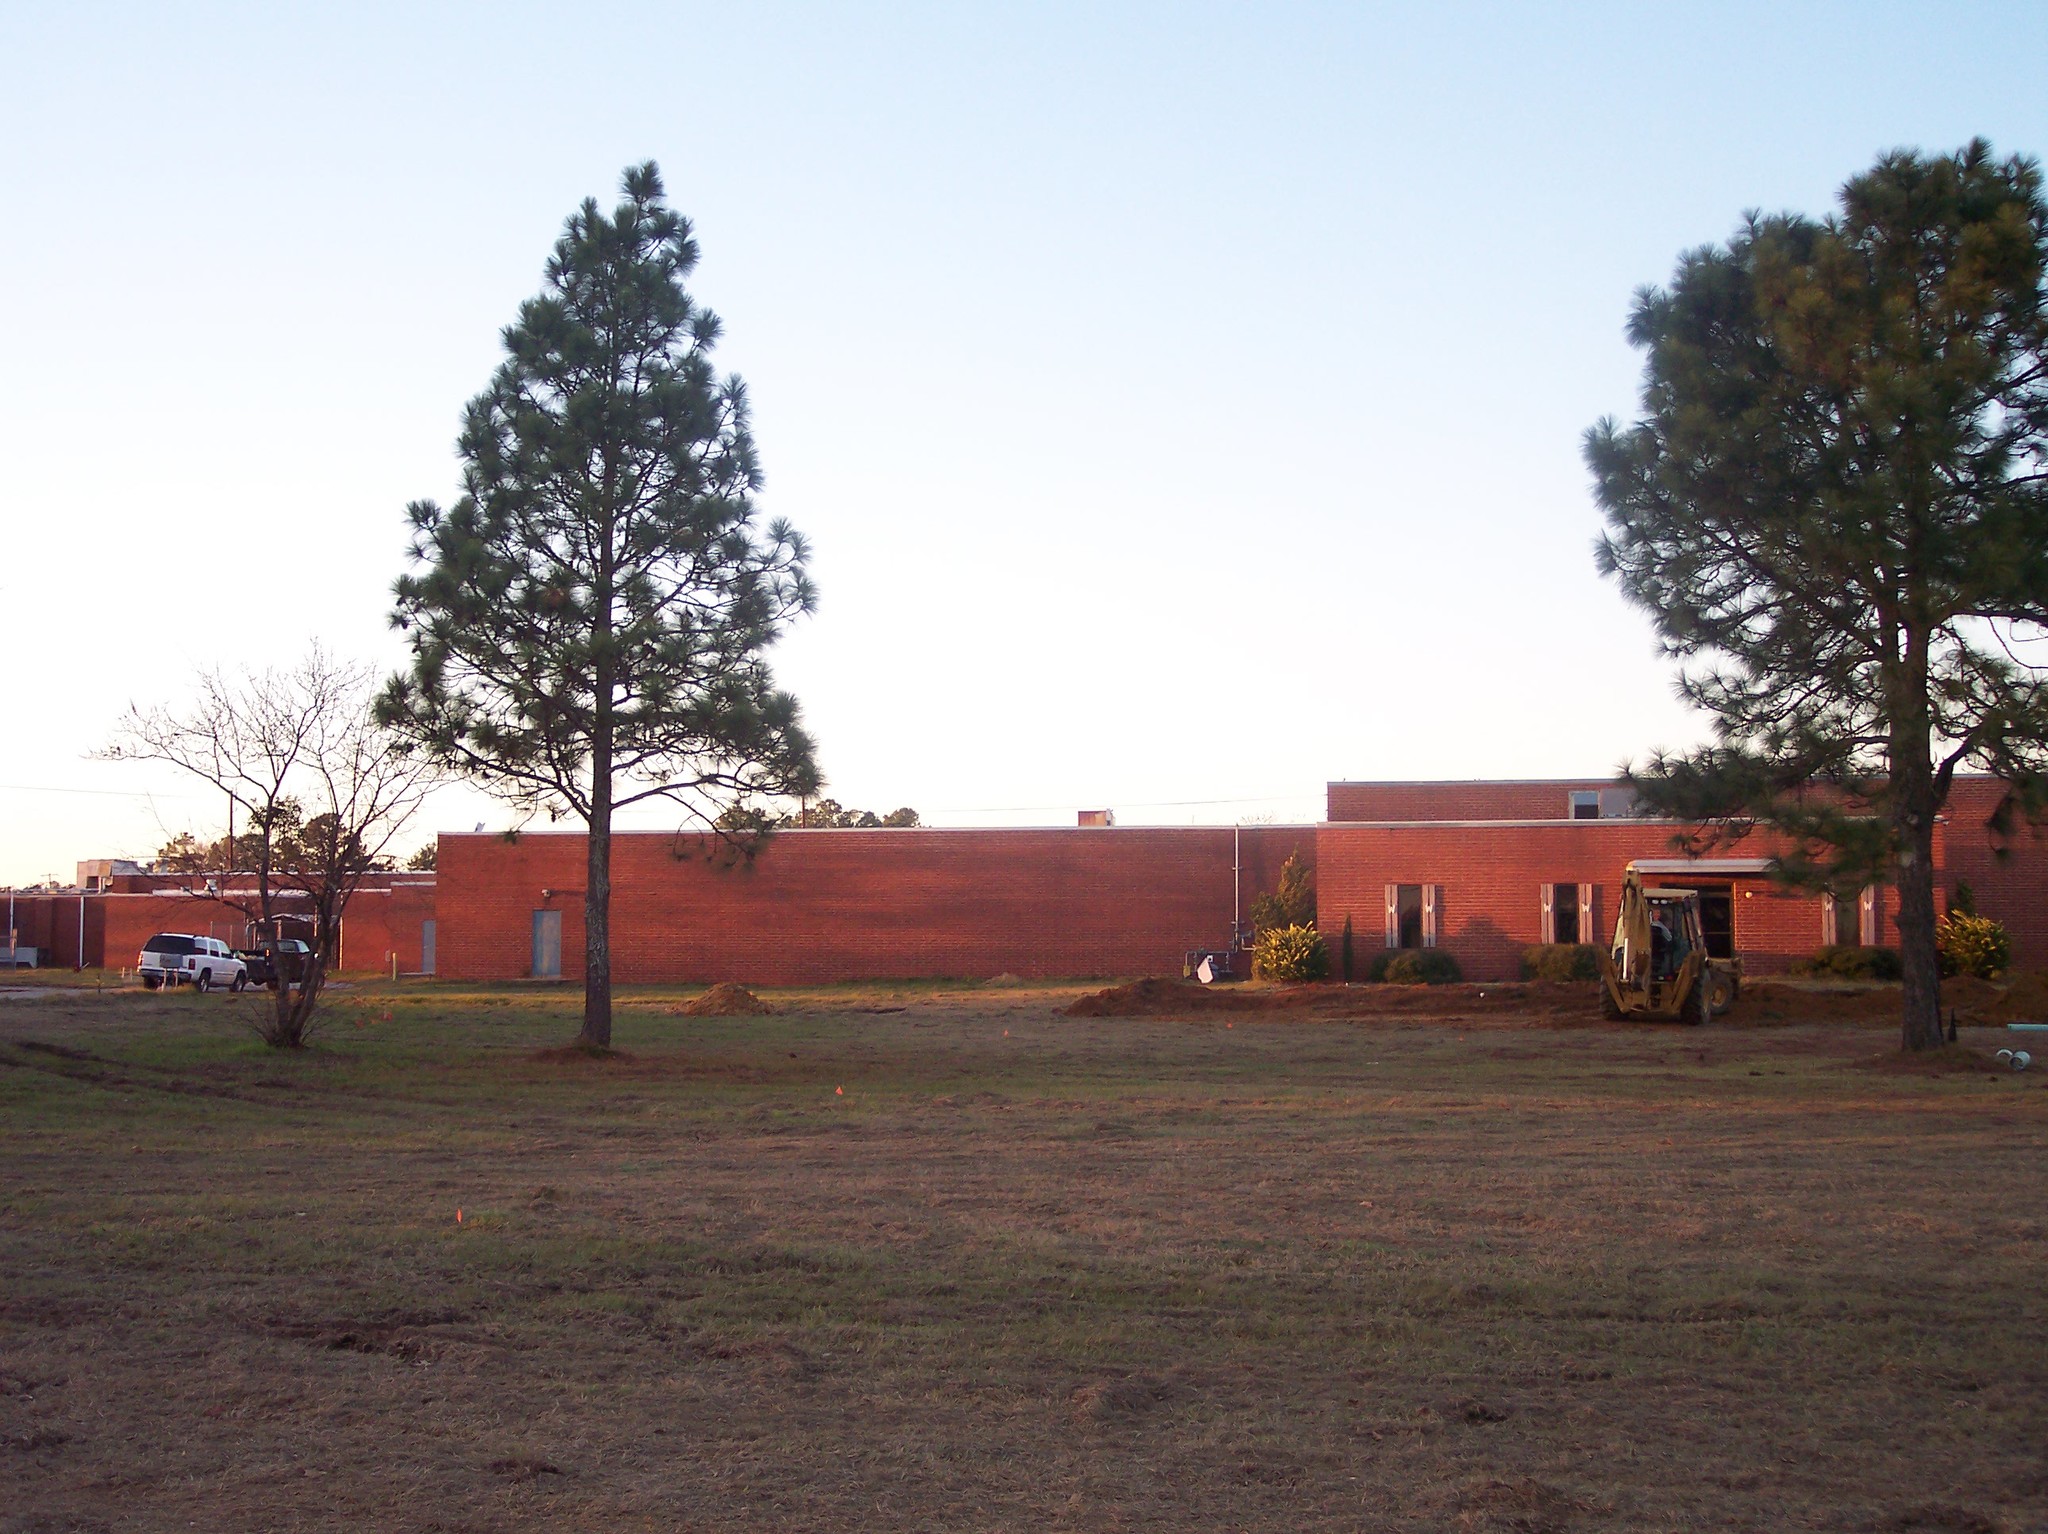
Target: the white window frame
(1547, 901)
(1432, 908)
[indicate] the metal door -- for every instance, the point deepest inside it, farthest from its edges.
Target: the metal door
(547, 945)
(426, 948)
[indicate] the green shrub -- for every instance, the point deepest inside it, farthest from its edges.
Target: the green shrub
(1561, 961)
(1851, 963)
(1292, 902)
(1421, 966)
(1972, 945)
(1290, 953)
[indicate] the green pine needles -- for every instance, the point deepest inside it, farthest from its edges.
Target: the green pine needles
(589, 621)
(1835, 509)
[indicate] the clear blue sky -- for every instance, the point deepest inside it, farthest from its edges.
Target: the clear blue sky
(1184, 400)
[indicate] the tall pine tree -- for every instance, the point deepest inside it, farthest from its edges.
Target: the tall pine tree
(1835, 509)
(589, 621)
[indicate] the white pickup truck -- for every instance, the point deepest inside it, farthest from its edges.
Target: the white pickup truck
(179, 958)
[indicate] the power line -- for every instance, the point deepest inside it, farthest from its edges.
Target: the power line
(108, 793)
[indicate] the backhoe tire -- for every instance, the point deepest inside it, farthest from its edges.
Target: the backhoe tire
(1721, 992)
(1699, 1006)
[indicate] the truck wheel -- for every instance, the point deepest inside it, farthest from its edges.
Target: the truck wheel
(203, 982)
(150, 983)
(240, 983)
(1699, 1006)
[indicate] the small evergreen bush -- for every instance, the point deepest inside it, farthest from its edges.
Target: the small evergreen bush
(1851, 963)
(1972, 945)
(1422, 966)
(1292, 902)
(1290, 953)
(1561, 961)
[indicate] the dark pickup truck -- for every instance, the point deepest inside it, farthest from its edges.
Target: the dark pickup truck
(287, 955)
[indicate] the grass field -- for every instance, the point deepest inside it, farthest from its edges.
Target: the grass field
(942, 1258)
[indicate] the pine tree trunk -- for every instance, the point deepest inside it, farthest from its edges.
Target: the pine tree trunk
(597, 909)
(1919, 957)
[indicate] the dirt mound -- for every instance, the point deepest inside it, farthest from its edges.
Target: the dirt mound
(1183, 998)
(2024, 1000)
(1804, 1001)
(1122, 1399)
(1534, 1001)
(1970, 994)
(725, 1001)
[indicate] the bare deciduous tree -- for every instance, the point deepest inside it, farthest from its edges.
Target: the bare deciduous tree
(325, 790)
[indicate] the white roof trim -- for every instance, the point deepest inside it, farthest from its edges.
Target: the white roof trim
(1700, 865)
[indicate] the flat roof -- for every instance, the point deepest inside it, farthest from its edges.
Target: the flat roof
(1609, 782)
(1479, 825)
(1264, 825)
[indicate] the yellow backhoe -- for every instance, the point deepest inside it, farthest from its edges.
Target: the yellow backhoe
(1659, 967)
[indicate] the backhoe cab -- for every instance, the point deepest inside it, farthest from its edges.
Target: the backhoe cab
(1658, 967)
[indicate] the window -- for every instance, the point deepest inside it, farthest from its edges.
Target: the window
(1865, 930)
(1568, 913)
(1413, 914)
(1585, 804)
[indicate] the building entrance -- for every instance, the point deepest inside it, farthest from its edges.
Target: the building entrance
(1717, 920)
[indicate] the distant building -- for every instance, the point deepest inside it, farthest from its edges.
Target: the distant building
(1482, 869)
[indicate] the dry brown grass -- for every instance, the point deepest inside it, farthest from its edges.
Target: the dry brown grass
(1265, 1270)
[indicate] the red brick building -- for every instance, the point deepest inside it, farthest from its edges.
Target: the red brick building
(1483, 870)
(815, 906)
(105, 921)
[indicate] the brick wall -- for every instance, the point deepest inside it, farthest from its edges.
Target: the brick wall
(1492, 877)
(821, 906)
(380, 920)
(1458, 801)
(2008, 875)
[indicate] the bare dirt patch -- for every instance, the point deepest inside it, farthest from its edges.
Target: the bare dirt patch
(1951, 1060)
(725, 1000)
(2023, 1000)
(1530, 1003)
